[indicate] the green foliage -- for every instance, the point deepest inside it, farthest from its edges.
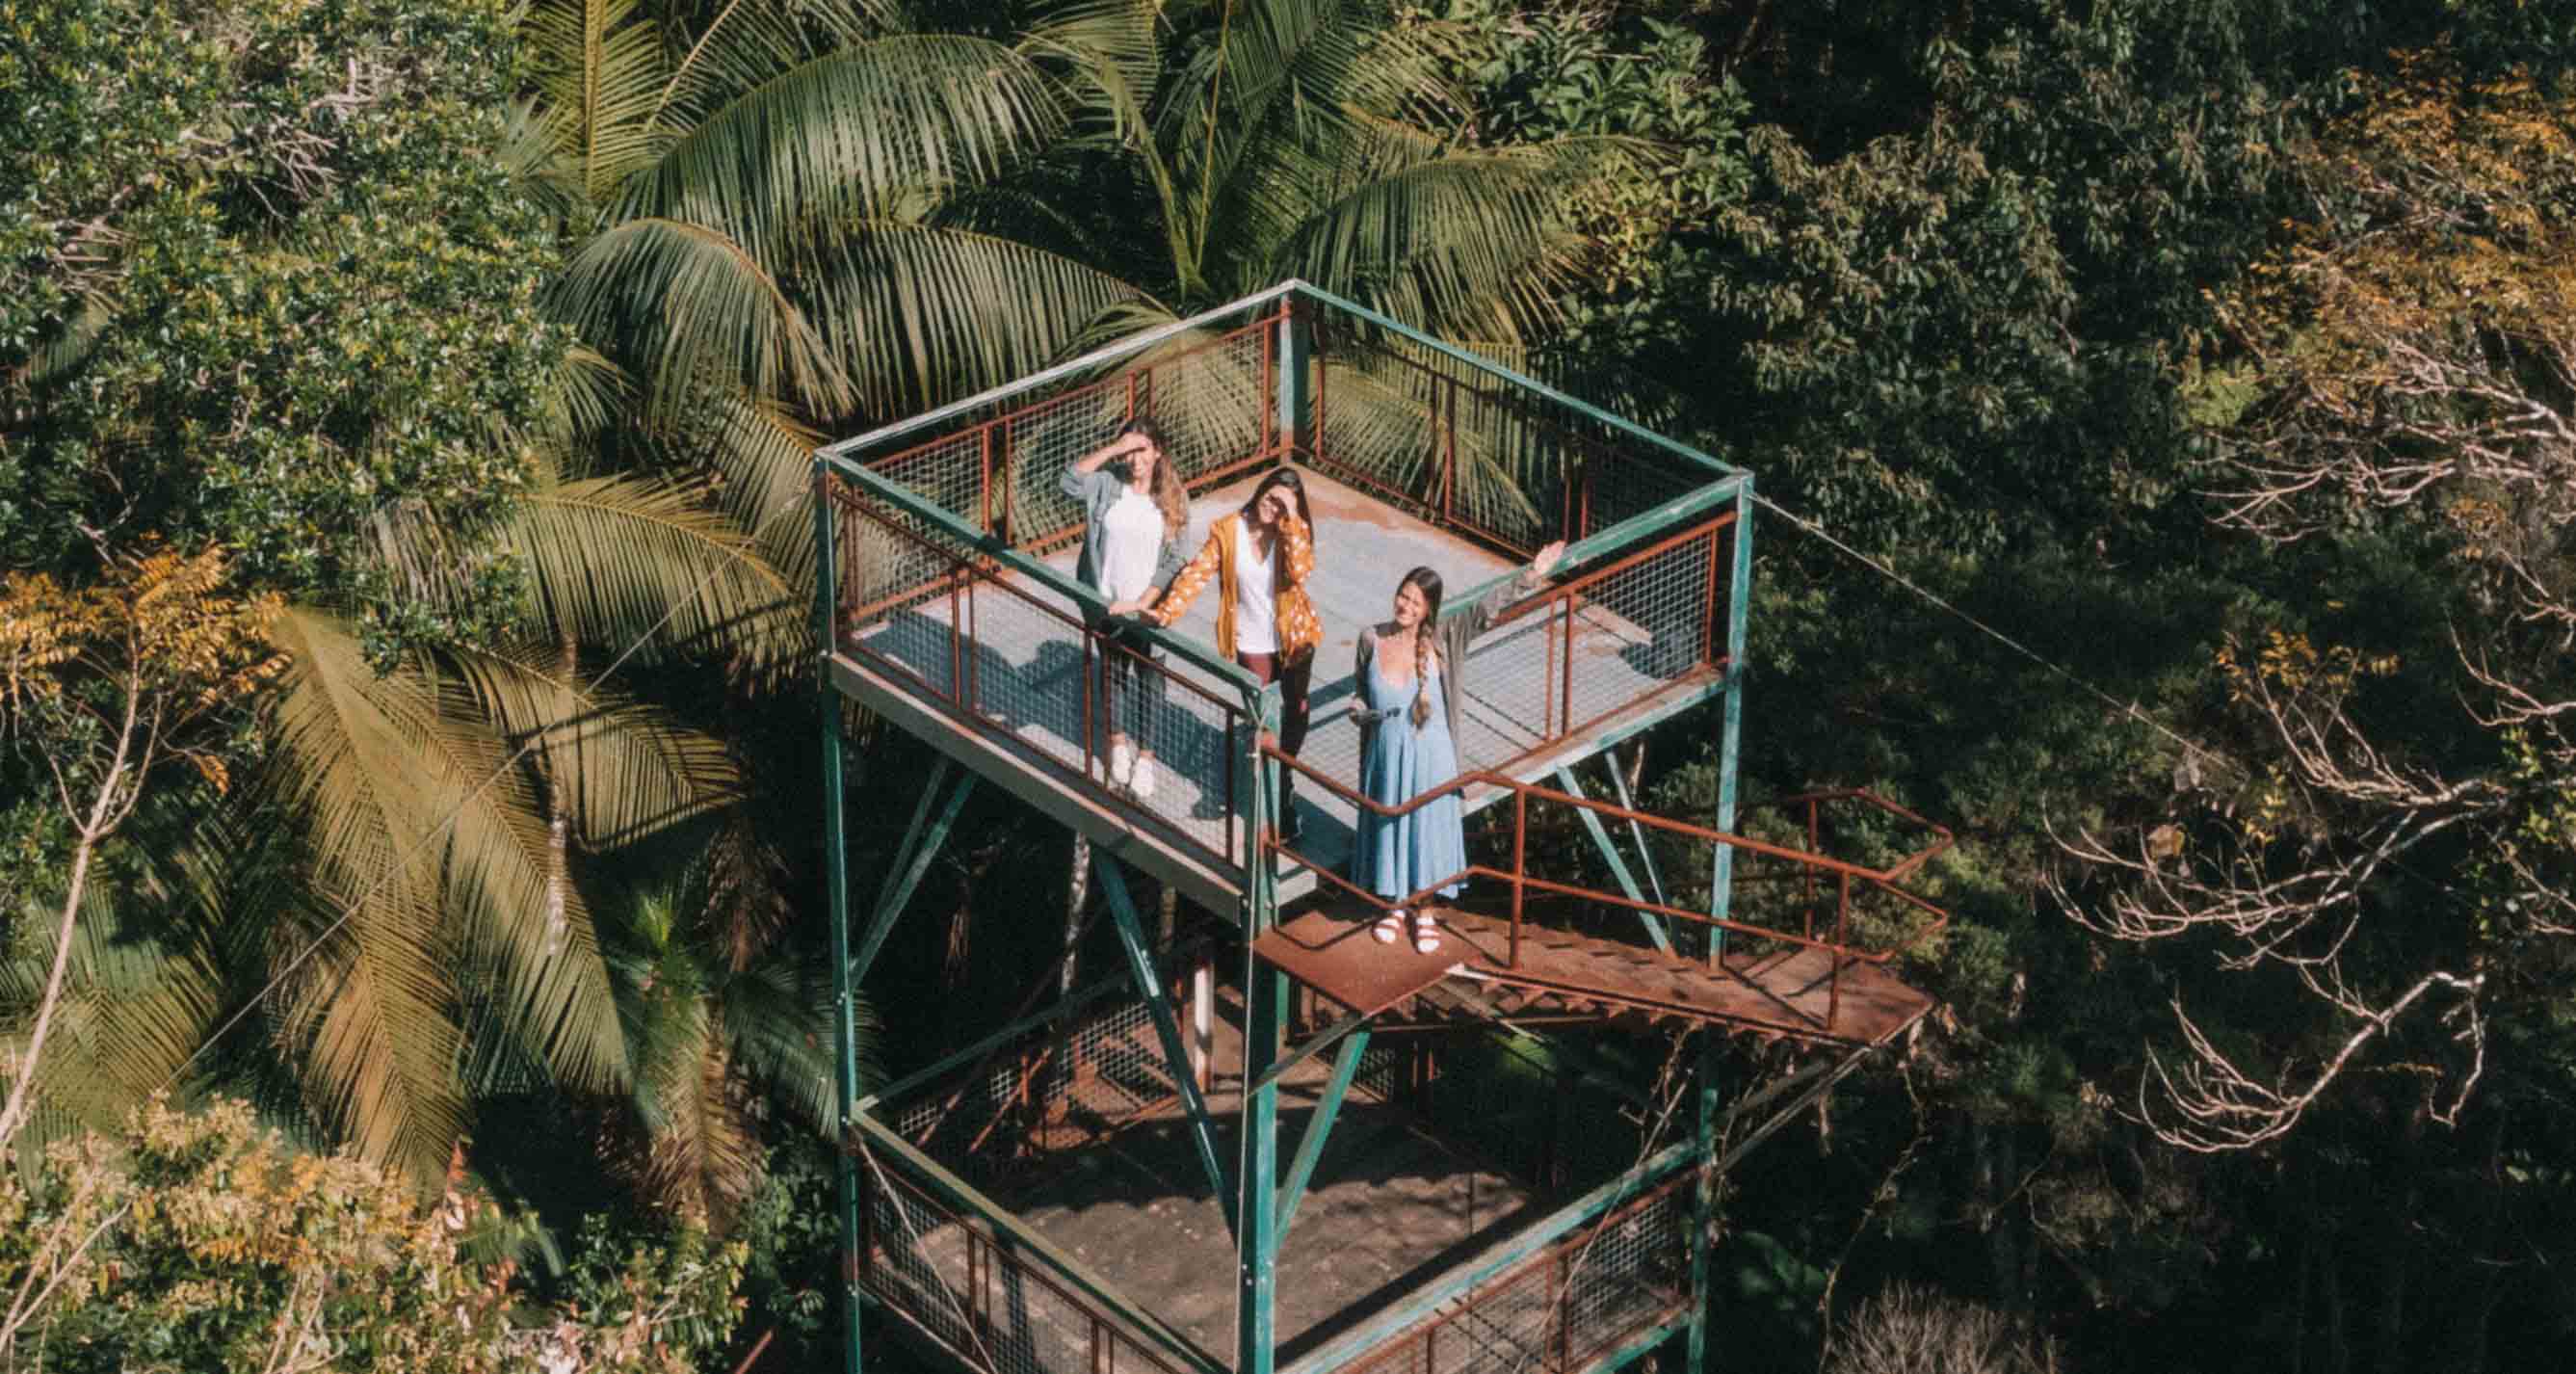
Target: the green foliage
(263, 282)
(195, 1241)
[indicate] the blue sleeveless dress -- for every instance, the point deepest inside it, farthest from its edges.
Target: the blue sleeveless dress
(1396, 855)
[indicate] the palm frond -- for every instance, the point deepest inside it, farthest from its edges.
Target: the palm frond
(857, 131)
(632, 561)
(751, 42)
(626, 770)
(920, 316)
(136, 1005)
(1293, 70)
(692, 308)
(1467, 243)
(764, 461)
(590, 392)
(370, 1010)
(600, 76)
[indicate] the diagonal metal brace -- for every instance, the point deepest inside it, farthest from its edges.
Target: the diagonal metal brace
(1310, 1049)
(912, 861)
(1645, 853)
(1319, 1125)
(1131, 940)
(1618, 866)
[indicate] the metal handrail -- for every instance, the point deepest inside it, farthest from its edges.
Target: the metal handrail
(1838, 948)
(962, 579)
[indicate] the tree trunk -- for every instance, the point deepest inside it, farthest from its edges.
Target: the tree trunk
(2397, 1248)
(2477, 1315)
(552, 770)
(1077, 886)
(103, 817)
(2335, 1351)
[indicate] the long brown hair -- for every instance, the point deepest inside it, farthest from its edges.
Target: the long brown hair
(1288, 478)
(1169, 496)
(1426, 652)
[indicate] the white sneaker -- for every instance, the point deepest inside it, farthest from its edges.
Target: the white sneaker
(1140, 780)
(1122, 761)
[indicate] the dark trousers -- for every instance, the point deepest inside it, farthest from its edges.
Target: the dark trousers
(1295, 712)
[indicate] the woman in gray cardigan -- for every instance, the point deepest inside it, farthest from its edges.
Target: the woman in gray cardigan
(1409, 677)
(1133, 510)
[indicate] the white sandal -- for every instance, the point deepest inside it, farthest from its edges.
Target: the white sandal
(1426, 934)
(1388, 927)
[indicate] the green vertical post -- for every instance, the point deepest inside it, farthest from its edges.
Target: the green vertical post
(1256, 1231)
(1703, 1203)
(836, 871)
(1739, 592)
(1296, 399)
(1265, 996)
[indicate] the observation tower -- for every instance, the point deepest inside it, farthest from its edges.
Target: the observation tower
(1289, 1147)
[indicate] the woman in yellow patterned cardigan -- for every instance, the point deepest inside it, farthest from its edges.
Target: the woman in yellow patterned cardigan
(1260, 557)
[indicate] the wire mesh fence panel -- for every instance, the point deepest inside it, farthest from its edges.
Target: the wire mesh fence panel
(1051, 1090)
(1629, 1273)
(1477, 453)
(1604, 641)
(1211, 394)
(1586, 1294)
(991, 1298)
(1013, 658)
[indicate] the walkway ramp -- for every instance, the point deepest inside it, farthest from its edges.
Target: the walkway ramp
(1804, 994)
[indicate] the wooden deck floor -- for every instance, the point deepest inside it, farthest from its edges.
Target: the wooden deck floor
(1389, 1206)
(1026, 670)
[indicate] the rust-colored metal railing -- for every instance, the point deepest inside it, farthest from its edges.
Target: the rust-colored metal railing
(1673, 581)
(1589, 481)
(1000, 472)
(1835, 943)
(956, 594)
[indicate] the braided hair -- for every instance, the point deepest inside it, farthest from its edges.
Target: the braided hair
(1426, 650)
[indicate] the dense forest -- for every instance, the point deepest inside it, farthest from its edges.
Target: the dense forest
(410, 865)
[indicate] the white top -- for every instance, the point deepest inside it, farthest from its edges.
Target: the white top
(1256, 596)
(1131, 541)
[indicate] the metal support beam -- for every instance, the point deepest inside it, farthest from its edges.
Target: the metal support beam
(1319, 1125)
(1703, 1202)
(1296, 387)
(911, 860)
(1265, 1016)
(1739, 593)
(1256, 1238)
(1637, 832)
(1167, 1026)
(902, 1157)
(1618, 865)
(1313, 1046)
(836, 873)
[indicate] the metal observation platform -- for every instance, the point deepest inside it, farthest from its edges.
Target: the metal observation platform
(1485, 1170)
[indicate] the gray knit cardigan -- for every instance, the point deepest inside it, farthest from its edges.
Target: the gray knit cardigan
(1098, 490)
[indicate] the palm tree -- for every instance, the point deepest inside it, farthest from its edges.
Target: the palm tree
(779, 215)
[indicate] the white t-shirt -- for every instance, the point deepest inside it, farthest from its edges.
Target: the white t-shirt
(1131, 543)
(1256, 599)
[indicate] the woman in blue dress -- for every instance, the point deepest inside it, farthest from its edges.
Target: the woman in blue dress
(1408, 679)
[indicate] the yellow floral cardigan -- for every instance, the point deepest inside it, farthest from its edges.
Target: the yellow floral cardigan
(1300, 630)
